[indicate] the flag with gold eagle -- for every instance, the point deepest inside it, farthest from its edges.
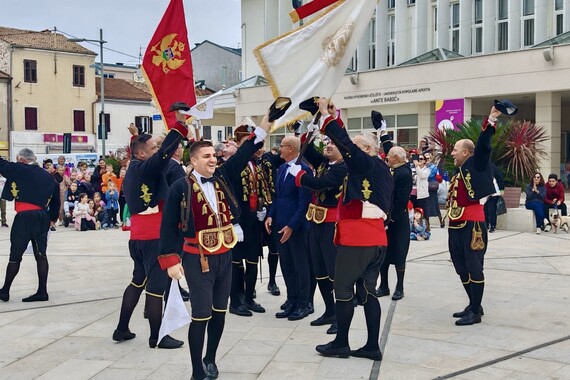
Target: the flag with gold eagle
(312, 60)
(167, 66)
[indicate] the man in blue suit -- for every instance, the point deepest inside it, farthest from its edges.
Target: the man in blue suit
(287, 215)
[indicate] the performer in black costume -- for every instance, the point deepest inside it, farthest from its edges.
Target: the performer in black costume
(325, 187)
(468, 189)
(399, 225)
(202, 208)
(36, 196)
(145, 188)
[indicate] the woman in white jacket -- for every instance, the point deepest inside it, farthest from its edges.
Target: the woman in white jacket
(422, 174)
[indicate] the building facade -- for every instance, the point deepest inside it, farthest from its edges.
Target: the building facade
(126, 102)
(217, 67)
(52, 89)
(417, 54)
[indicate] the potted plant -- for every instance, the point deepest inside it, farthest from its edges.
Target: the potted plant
(516, 149)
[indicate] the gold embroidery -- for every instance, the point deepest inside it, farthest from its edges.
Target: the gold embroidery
(334, 46)
(468, 186)
(366, 189)
(146, 196)
(14, 190)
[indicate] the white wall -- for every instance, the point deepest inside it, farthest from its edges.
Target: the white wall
(122, 114)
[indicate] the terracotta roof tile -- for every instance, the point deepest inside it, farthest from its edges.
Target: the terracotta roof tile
(45, 40)
(121, 89)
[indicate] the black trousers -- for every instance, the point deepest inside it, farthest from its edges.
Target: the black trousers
(490, 209)
(468, 262)
(295, 268)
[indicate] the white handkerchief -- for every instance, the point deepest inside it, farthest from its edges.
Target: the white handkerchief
(175, 315)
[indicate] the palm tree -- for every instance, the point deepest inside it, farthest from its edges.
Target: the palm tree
(517, 147)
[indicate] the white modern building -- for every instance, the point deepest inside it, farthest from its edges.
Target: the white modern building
(417, 53)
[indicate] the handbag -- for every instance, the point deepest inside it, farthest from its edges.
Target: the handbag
(501, 207)
(433, 186)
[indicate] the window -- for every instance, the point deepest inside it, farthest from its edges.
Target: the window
(391, 4)
(559, 16)
(105, 75)
(391, 57)
(78, 121)
(503, 9)
(478, 11)
(220, 137)
(31, 118)
(402, 127)
(207, 132)
(455, 27)
(478, 26)
(78, 76)
(528, 22)
(143, 123)
(30, 71)
(503, 26)
(528, 32)
(503, 36)
(372, 45)
(528, 7)
(411, 2)
(107, 126)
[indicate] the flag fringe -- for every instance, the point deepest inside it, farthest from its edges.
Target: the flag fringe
(290, 122)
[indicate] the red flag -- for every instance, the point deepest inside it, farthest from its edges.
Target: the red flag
(167, 65)
(308, 9)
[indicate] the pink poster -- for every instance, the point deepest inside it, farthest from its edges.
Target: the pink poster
(449, 113)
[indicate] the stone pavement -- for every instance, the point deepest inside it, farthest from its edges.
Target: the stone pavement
(524, 333)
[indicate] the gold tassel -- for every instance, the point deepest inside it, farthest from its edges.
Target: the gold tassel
(225, 218)
(223, 206)
(477, 242)
(196, 187)
(200, 198)
(210, 220)
(204, 209)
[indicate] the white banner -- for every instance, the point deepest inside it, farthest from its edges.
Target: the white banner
(312, 60)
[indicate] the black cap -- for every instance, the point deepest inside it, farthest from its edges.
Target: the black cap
(179, 106)
(506, 107)
(376, 119)
(295, 127)
(310, 105)
(278, 108)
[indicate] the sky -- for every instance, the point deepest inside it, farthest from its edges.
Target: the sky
(127, 25)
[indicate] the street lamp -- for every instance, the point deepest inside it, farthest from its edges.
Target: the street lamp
(100, 41)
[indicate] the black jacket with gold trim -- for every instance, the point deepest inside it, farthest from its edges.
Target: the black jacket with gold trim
(145, 185)
(369, 177)
(270, 163)
(476, 171)
(225, 175)
(327, 183)
(30, 184)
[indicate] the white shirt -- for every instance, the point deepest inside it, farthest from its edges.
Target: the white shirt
(209, 191)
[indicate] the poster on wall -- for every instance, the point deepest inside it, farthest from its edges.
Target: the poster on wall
(71, 160)
(449, 113)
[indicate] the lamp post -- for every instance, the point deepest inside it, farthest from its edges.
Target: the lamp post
(100, 41)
